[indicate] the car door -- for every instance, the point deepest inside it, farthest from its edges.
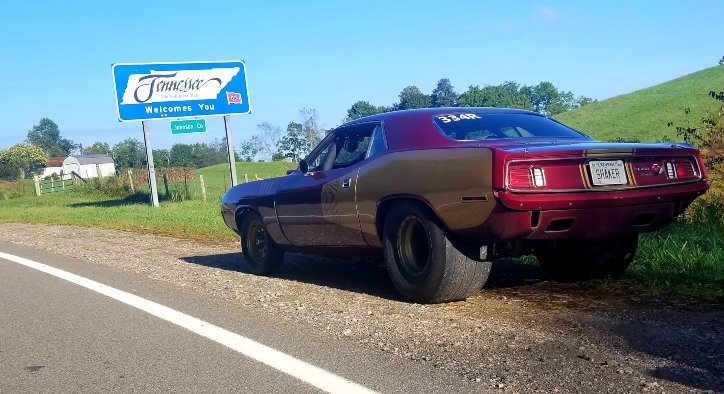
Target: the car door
(319, 208)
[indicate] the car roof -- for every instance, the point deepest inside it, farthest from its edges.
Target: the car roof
(414, 128)
(429, 112)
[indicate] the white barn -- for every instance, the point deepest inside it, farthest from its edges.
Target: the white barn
(54, 166)
(89, 166)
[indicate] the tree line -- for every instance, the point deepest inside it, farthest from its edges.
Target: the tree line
(271, 142)
(544, 98)
(44, 141)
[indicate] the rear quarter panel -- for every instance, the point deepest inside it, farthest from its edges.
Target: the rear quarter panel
(438, 177)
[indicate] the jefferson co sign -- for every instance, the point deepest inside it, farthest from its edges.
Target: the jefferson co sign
(180, 90)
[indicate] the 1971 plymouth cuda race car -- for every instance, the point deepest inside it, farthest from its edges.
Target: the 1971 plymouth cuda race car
(438, 193)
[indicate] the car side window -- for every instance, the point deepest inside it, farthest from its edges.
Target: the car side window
(379, 142)
(353, 150)
(345, 147)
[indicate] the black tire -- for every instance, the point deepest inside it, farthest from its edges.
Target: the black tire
(262, 255)
(424, 264)
(575, 260)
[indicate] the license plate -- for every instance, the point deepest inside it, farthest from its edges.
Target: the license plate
(608, 172)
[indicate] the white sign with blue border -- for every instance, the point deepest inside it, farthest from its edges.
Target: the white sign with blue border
(146, 91)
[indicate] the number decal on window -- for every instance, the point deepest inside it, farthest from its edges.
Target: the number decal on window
(457, 117)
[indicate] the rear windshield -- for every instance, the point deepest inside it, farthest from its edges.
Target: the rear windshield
(467, 126)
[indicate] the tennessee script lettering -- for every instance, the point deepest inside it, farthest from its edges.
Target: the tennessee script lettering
(158, 83)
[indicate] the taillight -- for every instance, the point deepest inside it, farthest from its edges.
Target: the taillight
(520, 177)
(684, 169)
(526, 177)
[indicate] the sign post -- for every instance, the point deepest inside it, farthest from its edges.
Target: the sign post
(230, 150)
(151, 169)
(148, 91)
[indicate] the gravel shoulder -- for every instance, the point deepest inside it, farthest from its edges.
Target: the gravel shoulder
(521, 334)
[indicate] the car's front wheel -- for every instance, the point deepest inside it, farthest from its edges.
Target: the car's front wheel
(424, 264)
(574, 260)
(262, 255)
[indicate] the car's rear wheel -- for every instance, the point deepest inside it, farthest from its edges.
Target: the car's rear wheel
(262, 255)
(424, 263)
(574, 260)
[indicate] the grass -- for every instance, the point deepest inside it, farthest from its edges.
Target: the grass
(214, 176)
(644, 114)
(110, 205)
(687, 257)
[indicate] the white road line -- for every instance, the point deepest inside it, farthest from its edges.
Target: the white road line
(299, 369)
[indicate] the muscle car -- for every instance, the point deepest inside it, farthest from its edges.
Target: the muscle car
(439, 193)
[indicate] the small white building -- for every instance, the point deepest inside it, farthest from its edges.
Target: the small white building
(54, 166)
(89, 166)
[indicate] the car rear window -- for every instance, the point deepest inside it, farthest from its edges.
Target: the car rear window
(470, 126)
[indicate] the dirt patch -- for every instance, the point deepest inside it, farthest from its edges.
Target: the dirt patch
(521, 334)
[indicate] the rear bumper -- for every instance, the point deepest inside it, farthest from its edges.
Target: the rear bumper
(592, 221)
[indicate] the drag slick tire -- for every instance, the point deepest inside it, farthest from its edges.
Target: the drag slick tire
(425, 265)
(261, 254)
(575, 260)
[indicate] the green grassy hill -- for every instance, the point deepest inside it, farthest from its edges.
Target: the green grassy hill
(643, 114)
(215, 176)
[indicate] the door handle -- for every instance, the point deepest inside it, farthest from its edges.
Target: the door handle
(346, 182)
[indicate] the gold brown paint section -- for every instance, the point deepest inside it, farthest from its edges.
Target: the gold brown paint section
(440, 176)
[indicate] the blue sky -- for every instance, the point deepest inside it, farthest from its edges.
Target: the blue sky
(57, 55)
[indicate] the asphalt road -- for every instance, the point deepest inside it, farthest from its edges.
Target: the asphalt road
(57, 336)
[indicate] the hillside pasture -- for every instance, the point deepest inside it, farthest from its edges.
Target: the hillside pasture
(644, 114)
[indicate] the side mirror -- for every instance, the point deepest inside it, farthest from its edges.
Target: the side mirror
(303, 166)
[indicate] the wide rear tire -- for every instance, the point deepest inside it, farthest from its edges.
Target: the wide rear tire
(424, 263)
(575, 260)
(261, 254)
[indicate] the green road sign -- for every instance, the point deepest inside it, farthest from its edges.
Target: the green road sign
(188, 126)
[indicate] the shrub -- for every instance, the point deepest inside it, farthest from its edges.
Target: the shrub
(110, 186)
(709, 138)
(14, 189)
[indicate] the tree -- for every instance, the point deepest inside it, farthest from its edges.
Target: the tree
(161, 158)
(219, 151)
(263, 145)
(582, 100)
(21, 160)
(98, 148)
(361, 109)
(249, 149)
(710, 140)
(444, 95)
(546, 99)
(721, 61)
(129, 153)
(506, 95)
(294, 144)
(46, 136)
(182, 155)
(411, 97)
(312, 131)
(517, 97)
